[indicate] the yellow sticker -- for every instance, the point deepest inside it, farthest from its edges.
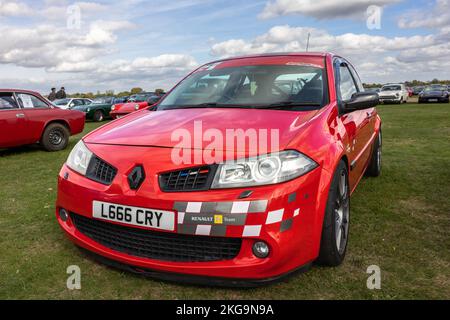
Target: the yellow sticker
(218, 219)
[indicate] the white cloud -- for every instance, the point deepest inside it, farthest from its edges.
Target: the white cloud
(14, 9)
(58, 10)
(321, 9)
(53, 48)
(437, 16)
(376, 57)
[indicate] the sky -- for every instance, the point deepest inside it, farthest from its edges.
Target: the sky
(117, 45)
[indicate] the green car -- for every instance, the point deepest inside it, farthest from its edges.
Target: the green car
(100, 108)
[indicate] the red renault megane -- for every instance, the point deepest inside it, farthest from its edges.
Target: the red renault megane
(167, 193)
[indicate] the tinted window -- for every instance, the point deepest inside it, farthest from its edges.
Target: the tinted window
(77, 102)
(347, 85)
(392, 88)
(61, 102)
(29, 101)
(7, 101)
(359, 83)
(250, 86)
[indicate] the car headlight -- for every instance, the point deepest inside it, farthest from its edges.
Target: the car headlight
(79, 158)
(397, 95)
(263, 170)
(113, 108)
(136, 107)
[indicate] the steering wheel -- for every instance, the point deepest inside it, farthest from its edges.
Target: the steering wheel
(287, 95)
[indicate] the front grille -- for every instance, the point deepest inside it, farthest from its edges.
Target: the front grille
(388, 97)
(194, 179)
(100, 171)
(158, 245)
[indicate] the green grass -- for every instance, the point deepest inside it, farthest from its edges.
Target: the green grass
(400, 222)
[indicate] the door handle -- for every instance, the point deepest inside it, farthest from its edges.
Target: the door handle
(20, 115)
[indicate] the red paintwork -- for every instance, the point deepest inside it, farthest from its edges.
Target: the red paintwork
(27, 130)
(410, 91)
(144, 138)
(127, 108)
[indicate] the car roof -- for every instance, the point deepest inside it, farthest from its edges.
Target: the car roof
(20, 91)
(277, 54)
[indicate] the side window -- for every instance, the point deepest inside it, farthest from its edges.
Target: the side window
(357, 79)
(347, 86)
(7, 101)
(29, 101)
(77, 102)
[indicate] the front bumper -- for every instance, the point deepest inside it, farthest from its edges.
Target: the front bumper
(119, 114)
(433, 99)
(390, 99)
(290, 223)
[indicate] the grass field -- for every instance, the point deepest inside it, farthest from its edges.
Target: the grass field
(400, 222)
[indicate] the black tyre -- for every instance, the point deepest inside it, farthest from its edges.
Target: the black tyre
(333, 245)
(55, 137)
(374, 168)
(99, 116)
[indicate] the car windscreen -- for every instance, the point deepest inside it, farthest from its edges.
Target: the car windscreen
(435, 88)
(61, 102)
(254, 86)
(101, 100)
(391, 88)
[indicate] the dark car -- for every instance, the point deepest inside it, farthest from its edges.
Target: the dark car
(417, 90)
(434, 93)
(26, 118)
(100, 108)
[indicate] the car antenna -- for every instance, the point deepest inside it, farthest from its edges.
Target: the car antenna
(307, 42)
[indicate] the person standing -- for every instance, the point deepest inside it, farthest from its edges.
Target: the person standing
(61, 94)
(52, 95)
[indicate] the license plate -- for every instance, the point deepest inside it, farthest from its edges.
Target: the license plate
(135, 216)
(432, 100)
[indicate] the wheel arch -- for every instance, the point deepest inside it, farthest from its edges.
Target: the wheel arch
(60, 121)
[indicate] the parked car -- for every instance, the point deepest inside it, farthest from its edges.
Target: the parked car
(434, 93)
(100, 108)
(394, 93)
(70, 103)
(256, 217)
(417, 90)
(375, 90)
(135, 102)
(26, 118)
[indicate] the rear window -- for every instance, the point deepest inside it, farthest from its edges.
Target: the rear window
(7, 101)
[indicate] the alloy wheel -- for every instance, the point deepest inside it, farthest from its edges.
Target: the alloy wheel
(342, 213)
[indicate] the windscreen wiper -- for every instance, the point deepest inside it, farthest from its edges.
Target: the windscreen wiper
(208, 105)
(289, 104)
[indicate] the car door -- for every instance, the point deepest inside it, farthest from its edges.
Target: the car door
(37, 112)
(13, 122)
(367, 133)
(355, 123)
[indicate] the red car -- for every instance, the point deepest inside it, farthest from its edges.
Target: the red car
(135, 103)
(26, 118)
(149, 192)
(410, 91)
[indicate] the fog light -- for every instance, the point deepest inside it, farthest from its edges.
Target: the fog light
(63, 214)
(261, 249)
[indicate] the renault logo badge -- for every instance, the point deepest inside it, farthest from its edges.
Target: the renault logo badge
(136, 177)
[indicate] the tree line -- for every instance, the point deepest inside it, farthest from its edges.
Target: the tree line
(91, 95)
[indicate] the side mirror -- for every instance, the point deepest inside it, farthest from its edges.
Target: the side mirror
(361, 101)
